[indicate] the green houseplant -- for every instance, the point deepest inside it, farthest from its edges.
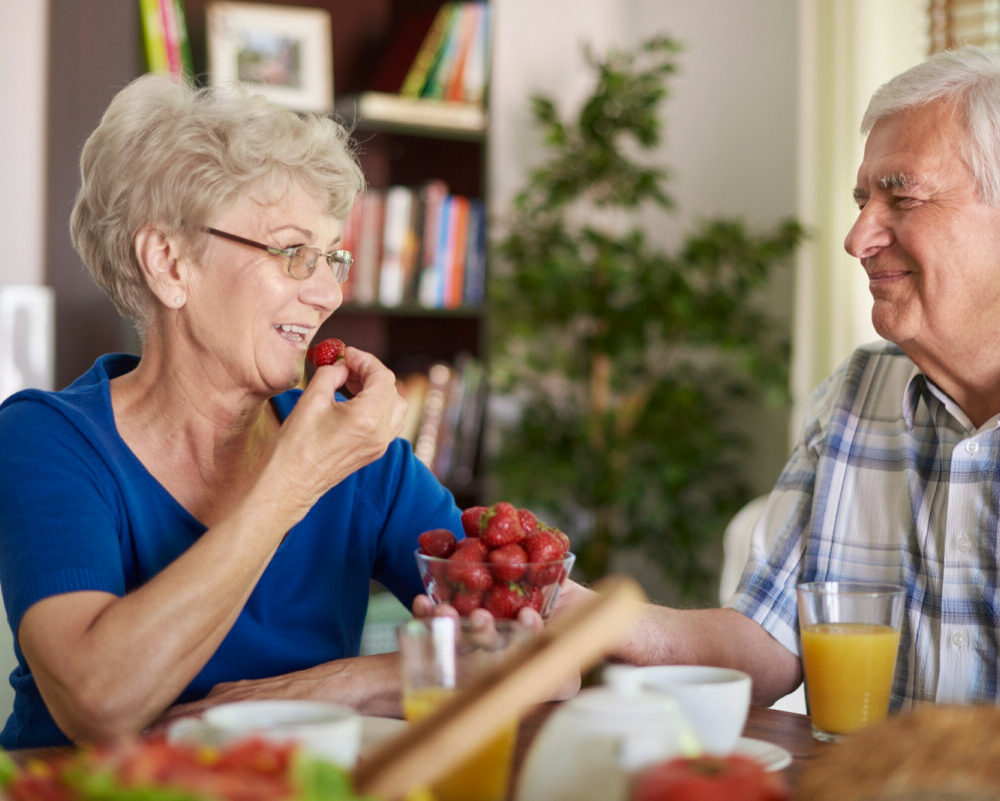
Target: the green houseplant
(624, 360)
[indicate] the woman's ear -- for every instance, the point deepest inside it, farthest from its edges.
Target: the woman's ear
(162, 265)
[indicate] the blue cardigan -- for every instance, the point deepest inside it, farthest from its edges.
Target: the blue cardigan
(78, 511)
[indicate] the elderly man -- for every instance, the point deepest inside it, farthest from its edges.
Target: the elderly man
(896, 477)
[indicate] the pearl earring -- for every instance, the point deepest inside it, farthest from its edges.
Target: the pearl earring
(179, 301)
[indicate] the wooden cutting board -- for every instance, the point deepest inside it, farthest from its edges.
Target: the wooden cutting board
(570, 644)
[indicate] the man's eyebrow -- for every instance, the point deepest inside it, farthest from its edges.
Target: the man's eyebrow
(896, 180)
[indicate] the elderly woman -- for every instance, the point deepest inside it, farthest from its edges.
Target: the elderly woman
(186, 526)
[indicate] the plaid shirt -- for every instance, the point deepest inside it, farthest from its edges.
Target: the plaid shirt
(890, 482)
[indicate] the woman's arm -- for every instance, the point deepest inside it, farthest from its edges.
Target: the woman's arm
(108, 665)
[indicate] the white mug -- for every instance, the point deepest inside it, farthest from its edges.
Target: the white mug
(715, 700)
(327, 731)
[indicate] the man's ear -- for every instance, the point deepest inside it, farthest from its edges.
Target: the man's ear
(162, 266)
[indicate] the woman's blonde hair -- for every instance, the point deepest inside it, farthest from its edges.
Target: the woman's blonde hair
(169, 154)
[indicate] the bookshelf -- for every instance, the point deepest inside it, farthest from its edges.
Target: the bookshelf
(403, 142)
(373, 47)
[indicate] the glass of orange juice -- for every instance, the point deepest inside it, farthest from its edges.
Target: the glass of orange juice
(439, 657)
(850, 636)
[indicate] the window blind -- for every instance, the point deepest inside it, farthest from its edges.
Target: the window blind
(954, 23)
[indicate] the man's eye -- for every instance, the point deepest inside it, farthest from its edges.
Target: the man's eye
(905, 202)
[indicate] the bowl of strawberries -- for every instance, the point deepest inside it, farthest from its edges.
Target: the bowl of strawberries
(508, 560)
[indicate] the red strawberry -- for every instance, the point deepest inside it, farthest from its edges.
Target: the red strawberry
(501, 525)
(545, 545)
(508, 561)
(472, 520)
(535, 599)
(503, 602)
(466, 566)
(438, 542)
(528, 520)
(326, 352)
(466, 602)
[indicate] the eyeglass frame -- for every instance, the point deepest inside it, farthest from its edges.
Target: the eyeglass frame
(339, 261)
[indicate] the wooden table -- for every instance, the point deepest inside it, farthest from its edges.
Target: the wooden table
(790, 730)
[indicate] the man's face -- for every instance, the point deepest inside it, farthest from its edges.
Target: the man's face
(930, 246)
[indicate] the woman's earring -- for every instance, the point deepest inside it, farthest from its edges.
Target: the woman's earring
(179, 301)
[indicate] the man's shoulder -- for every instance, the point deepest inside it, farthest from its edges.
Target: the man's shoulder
(872, 381)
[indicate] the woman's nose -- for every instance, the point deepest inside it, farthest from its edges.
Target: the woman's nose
(322, 289)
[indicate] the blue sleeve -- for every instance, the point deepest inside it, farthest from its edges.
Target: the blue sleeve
(59, 510)
(420, 503)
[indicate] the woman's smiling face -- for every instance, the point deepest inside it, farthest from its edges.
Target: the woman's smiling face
(245, 315)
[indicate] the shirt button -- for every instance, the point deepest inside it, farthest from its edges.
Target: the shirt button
(971, 447)
(958, 639)
(964, 544)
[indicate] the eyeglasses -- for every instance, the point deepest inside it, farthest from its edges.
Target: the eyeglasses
(302, 259)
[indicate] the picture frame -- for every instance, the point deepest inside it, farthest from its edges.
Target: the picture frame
(282, 52)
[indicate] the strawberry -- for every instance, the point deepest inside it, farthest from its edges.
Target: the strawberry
(535, 599)
(503, 601)
(326, 352)
(501, 525)
(438, 542)
(508, 562)
(466, 566)
(466, 602)
(545, 545)
(528, 521)
(472, 520)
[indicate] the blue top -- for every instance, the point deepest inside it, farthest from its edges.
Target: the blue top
(78, 511)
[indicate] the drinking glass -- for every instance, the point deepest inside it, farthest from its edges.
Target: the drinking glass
(440, 656)
(850, 636)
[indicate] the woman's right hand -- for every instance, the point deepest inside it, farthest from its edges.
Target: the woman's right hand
(324, 440)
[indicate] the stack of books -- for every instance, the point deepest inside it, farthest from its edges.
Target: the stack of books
(164, 32)
(416, 246)
(445, 82)
(445, 417)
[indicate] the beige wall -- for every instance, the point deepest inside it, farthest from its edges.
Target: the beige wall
(23, 63)
(730, 124)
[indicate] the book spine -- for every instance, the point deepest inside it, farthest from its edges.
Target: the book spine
(454, 89)
(437, 78)
(475, 255)
(369, 256)
(439, 378)
(398, 203)
(455, 279)
(416, 77)
(478, 66)
(152, 32)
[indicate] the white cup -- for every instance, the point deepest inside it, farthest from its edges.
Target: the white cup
(327, 731)
(715, 700)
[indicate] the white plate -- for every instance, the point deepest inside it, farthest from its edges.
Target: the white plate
(771, 756)
(374, 731)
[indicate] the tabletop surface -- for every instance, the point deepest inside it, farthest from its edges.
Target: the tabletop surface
(789, 730)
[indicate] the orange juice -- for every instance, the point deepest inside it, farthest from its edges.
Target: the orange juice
(849, 669)
(483, 775)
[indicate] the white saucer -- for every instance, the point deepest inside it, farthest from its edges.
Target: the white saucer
(771, 756)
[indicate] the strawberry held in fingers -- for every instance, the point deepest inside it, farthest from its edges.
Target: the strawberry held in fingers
(326, 352)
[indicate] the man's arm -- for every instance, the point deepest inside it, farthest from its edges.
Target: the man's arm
(725, 637)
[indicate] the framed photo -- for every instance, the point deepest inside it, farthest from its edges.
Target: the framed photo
(281, 52)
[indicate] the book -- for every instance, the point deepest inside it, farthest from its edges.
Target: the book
(412, 23)
(165, 37)
(350, 240)
(395, 244)
(475, 255)
(433, 194)
(368, 259)
(447, 55)
(477, 68)
(439, 378)
(454, 265)
(454, 81)
(470, 422)
(416, 76)
(392, 109)
(413, 389)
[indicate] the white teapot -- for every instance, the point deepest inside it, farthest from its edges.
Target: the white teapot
(590, 747)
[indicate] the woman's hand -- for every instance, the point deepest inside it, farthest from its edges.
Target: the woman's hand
(324, 440)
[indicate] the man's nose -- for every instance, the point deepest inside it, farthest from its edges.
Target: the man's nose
(870, 232)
